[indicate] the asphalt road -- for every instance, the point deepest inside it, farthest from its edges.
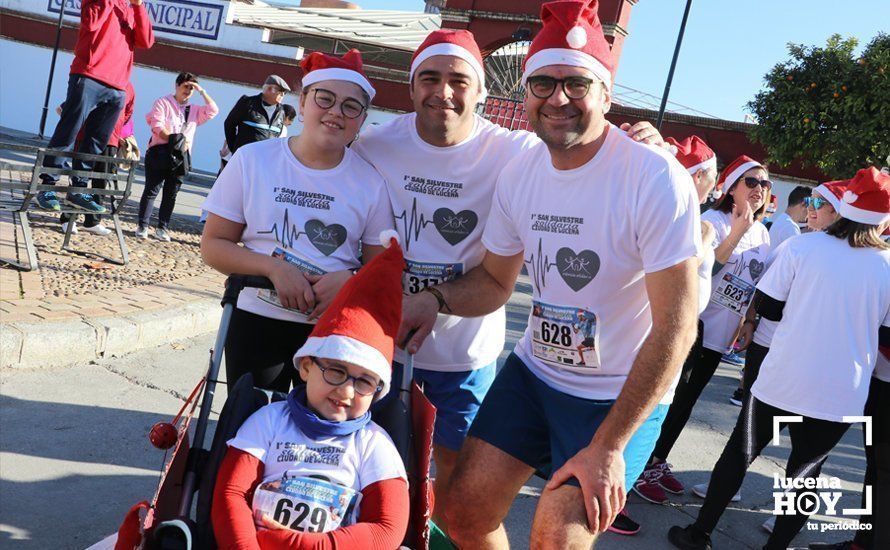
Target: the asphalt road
(74, 453)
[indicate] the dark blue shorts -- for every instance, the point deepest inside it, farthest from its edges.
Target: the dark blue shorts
(456, 396)
(544, 427)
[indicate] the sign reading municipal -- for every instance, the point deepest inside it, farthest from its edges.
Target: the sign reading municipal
(183, 17)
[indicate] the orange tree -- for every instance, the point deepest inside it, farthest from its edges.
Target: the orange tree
(827, 108)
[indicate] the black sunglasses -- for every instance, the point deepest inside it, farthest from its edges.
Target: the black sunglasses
(752, 182)
(574, 87)
(349, 107)
(337, 376)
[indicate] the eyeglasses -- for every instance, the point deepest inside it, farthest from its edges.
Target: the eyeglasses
(542, 87)
(349, 107)
(754, 182)
(815, 202)
(337, 376)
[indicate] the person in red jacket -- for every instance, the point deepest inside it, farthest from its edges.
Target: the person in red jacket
(93, 222)
(110, 31)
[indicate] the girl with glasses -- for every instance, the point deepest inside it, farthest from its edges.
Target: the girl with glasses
(308, 212)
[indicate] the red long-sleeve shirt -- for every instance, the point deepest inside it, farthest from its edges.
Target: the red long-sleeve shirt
(110, 31)
(382, 521)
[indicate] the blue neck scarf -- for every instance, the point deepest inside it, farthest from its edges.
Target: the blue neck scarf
(316, 427)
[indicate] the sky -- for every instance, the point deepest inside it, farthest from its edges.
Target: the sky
(726, 51)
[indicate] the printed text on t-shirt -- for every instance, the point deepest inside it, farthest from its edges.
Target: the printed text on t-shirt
(305, 199)
(297, 452)
(438, 188)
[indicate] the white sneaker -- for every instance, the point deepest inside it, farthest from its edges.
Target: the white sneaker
(769, 525)
(98, 229)
(142, 232)
(701, 491)
(162, 235)
(73, 227)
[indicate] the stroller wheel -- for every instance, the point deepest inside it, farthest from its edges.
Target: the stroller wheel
(173, 535)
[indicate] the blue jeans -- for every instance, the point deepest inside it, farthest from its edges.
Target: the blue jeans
(93, 106)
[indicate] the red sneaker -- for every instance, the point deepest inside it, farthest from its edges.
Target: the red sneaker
(623, 525)
(647, 486)
(667, 480)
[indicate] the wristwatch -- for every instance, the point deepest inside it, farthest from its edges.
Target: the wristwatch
(439, 298)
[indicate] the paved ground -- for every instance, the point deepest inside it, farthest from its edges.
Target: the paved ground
(75, 454)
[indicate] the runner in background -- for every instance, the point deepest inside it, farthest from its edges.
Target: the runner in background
(787, 224)
(308, 211)
(822, 356)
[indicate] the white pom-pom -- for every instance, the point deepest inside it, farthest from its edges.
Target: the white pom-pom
(386, 237)
(577, 37)
(673, 149)
(850, 197)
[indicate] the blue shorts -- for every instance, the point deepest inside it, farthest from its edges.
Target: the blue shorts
(456, 396)
(544, 427)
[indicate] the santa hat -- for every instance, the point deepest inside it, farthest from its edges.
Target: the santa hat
(360, 325)
(693, 153)
(733, 171)
(459, 43)
(833, 191)
(571, 35)
(867, 197)
(318, 66)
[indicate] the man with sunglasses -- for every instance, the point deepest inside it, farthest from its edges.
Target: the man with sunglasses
(787, 224)
(602, 224)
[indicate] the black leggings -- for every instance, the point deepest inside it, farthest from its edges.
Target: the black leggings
(264, 347)
(754, 356)
(877, 469)
(697, 372)
(811, 441)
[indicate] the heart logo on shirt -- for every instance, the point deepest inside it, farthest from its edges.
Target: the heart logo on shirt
(326, 238)
(455, 227)
(577, 268)
(756, 269)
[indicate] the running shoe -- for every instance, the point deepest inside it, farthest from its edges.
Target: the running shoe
(97, 229)
(769, 524)
(689, 538)
(647, 486)
(162, 235)
(623, 525)
(48, 200)
(73, 228)
(142, 232)
(737, 396)
(734, 358)
(667, 480)
(701, 491)
(85, 201)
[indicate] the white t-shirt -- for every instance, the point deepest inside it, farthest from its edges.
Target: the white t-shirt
(353, 461)
(882, 368)
(589, 236)
(733, 286)
(441, 197)
(783, 228)
(315, 219)
(704, 279)
(824, 350)
(763, 336)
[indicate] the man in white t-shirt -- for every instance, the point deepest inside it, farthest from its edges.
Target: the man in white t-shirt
(608, 228)
(787, 224)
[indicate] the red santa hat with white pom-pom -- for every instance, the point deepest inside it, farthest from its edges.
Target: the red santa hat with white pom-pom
(319, 66)
(832, 191)
(571, 35)
(732, 172)
(867, 197)
(457, 43)
(360, 325)
(693, 153)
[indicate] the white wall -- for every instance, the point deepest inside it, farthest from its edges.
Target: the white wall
(23, 85)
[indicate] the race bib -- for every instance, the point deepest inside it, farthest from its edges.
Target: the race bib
(306, 504)
(565, 336)
(733, 293)
(420, 275)
(271, 296)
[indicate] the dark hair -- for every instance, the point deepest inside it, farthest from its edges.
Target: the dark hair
(186, 77)
(857, 235)
(798, 194)
(289, 111)
(726, 202)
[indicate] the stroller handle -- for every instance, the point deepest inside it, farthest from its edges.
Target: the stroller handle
(235, 283)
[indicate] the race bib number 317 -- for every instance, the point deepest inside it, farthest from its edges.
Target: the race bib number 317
(420, 275)
(565, 336)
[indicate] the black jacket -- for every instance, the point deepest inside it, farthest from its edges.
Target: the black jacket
(248, 122)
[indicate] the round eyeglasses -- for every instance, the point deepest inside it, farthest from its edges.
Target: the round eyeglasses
(574, 87)
(349, 107)
(337, 376)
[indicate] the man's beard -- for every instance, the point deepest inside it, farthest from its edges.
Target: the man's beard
(561, 139)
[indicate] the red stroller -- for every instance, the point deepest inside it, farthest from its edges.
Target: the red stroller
(167, 522)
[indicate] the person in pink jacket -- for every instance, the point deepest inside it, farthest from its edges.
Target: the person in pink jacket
(173, 121)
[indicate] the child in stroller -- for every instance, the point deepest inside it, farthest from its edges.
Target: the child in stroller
(314, 470)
